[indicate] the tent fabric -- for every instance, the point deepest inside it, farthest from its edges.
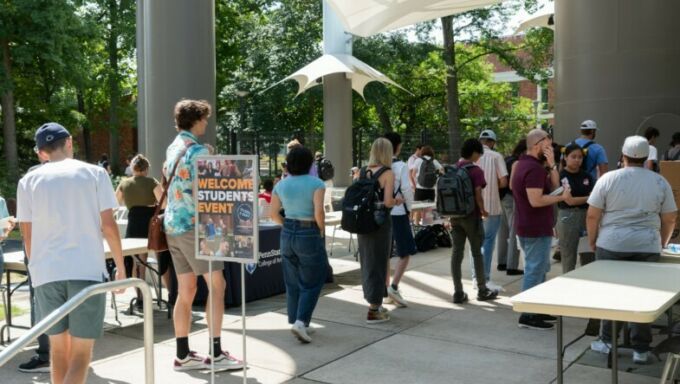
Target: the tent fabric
(369, 17)
(545, 18)
(358, 72)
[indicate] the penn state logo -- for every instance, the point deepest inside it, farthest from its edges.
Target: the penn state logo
(251, 267)
(49, 138)
(245, 212)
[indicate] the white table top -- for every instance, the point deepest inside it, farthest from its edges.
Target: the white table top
(611, 290)
(419, 205)
(15, 260)
(669, 257)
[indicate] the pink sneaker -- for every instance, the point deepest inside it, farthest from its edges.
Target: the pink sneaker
(224, 362)
(192, 362)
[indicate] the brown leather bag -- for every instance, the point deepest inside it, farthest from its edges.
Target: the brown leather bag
(157, 241)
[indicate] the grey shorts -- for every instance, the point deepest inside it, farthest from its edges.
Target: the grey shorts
(183, 251)
(85, 322)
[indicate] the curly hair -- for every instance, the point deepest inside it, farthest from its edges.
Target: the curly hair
(188, 112)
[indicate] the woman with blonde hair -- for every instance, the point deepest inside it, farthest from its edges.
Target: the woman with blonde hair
(374, 247)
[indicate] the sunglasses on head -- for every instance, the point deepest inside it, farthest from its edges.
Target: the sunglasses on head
(544, 138)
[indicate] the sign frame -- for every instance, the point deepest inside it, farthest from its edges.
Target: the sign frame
(254, 205)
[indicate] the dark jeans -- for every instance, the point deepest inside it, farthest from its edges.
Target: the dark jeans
(305, 264)
(640, 334)
(468, 228)
(43, 350)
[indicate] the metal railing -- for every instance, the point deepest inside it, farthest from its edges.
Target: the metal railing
(78, 299)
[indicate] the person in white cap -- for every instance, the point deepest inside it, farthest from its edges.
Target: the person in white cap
(595, 161)
(631, 216)
(496, 176)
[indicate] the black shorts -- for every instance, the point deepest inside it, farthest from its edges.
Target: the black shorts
(424, 194)
(403, 236)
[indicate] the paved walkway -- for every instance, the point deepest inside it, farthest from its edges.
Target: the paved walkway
(431, 341)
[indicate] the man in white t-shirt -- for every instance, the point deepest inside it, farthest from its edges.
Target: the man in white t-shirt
(402, 233)
(496, 175)
(64, 208)
(631, 216)
(651, 134)
(411, 164)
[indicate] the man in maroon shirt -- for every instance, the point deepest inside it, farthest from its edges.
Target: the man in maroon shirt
(470, 228)
(532, 181)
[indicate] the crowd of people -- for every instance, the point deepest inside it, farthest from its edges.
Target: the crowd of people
(521, 201)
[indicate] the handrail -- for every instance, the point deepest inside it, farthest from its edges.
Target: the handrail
(78, 299)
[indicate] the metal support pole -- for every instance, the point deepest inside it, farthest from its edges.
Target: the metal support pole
(560, 355)
(243, 322)
(615, 353)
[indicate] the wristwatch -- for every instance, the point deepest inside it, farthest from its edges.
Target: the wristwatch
(554, 166)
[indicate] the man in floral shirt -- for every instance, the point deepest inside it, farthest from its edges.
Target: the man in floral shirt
(191, 119)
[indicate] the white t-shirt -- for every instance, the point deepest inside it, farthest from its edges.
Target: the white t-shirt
(653, 153)
(417, 165)
(400, 170)
(632, 200)
(412, 161)
(63, 200)
(493, 165)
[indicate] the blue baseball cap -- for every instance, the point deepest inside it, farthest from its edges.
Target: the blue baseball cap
(487, 134)
(49, 133)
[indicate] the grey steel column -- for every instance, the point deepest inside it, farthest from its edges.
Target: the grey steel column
(617, 63)
(176, 60)
(337, 101)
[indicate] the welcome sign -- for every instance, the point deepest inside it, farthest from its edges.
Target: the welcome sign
(226, 200)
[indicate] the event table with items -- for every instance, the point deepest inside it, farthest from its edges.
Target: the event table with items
(620, 291)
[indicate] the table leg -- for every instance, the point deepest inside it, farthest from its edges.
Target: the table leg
(560, 356)
(9, 306)
(615, 353)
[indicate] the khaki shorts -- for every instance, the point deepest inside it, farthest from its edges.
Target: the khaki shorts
(183, 251)
(85, 322)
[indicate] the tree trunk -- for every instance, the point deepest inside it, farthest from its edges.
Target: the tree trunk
(87, 138)
(384, 117)
(112, 47)
(9, 127)
(452, 101)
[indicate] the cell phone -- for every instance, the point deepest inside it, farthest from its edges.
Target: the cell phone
(557, 192)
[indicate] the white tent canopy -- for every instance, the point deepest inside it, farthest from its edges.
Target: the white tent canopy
(545, 18)
(368, 17)
(359, 73)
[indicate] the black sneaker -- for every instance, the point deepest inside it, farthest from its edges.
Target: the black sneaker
(35, 365)
(460, 297)
(502, 267)
(557, 256)
(532, 322)
(547, 318)
(486, 294)
(514, 272)
(593, 327)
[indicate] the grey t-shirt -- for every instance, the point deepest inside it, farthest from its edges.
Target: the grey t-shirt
(632, 199)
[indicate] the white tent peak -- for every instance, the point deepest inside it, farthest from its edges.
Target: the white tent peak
(369, 17)
(358, 72)
(544, 18)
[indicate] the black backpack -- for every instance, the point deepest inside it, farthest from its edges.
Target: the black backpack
(443, 236)
(455, 195)
(325, 169)
(426, 239)
(360, 211)
(427, 174)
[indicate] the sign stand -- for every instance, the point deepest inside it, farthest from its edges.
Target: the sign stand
(243, 321)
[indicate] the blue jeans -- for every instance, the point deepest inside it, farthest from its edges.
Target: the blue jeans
(536, 260)
(305, 264)
(491, 225)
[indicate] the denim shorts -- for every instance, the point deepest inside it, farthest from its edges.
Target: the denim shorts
(403, 236)
(85, 322)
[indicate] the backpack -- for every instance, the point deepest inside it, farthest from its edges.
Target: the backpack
(455, 195)
(325, 169)
(427, 174)
(360, 211)
(426, 239)
(443, 236)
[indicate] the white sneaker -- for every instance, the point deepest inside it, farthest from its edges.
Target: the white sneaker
(224, 362)
(388, 300)
(310, 330)
(640, 357)
(301, 333)
(600, 346)
(395, 295)
(191, 362)
(495, 287)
